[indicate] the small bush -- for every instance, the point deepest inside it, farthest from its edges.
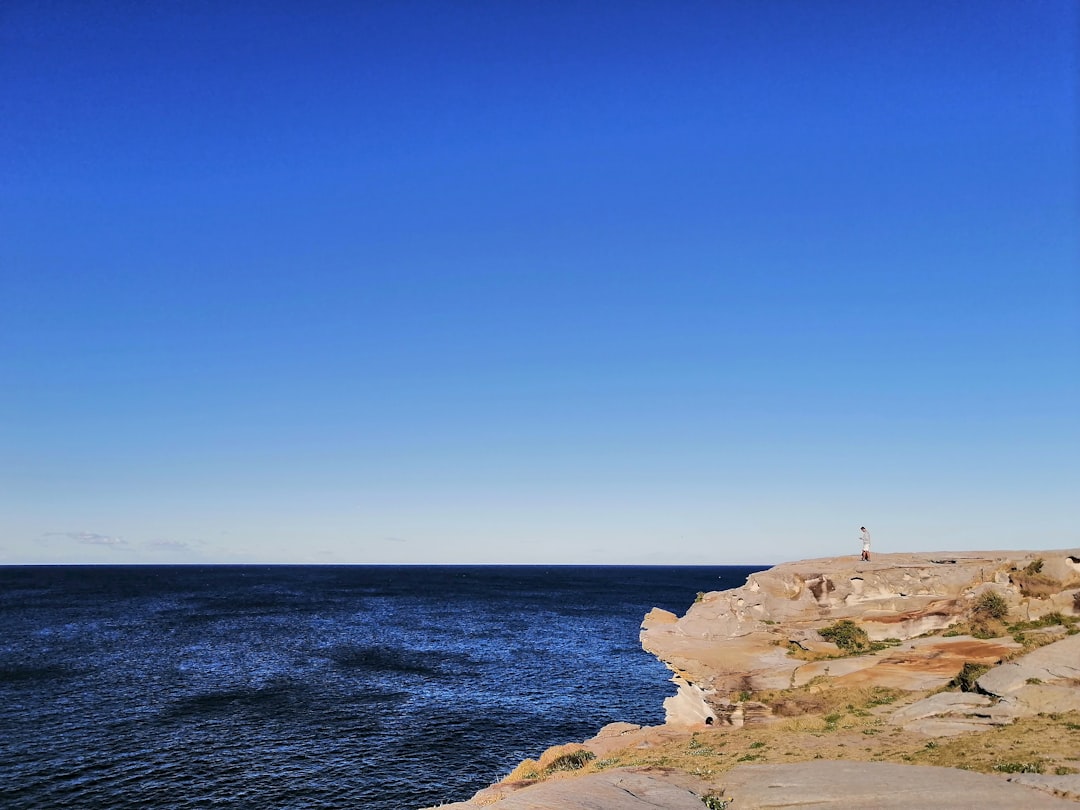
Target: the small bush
(572, 761)
(846, 635)
(881, 696)
(1037, 586)
(966, 678)
(831, 721)
(1038, 766)
(991, 605)
(1034, 567)
(715, 802)
(700, 597)
(569, 757)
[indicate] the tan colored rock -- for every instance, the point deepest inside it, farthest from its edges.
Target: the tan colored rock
(946, 714)
(736, 641)
(841, 785)
(636, 789)
(1044, 680)
(642, 738)
(922, 663)
(1057, 663)
(1067, 785)
(617, 729)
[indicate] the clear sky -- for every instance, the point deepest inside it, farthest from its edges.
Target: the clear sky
(537, 282)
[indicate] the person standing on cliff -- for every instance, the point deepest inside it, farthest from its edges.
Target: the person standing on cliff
(865, 537)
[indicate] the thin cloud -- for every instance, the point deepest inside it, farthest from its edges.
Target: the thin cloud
(90, 538)
(168, 545)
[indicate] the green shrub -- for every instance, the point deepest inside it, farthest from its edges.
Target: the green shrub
(1039, 586)
(1038, 766)
(715, 802)
(991, 605)
(966, 678)
(571, 762)
(846, 635)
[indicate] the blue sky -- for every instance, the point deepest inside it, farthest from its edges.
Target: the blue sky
(489, 282)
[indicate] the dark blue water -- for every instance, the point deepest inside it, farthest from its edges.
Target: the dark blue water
(314, 687)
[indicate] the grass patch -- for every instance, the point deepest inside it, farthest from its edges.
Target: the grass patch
(1036, 586)
(572, 761)
(1037, 766)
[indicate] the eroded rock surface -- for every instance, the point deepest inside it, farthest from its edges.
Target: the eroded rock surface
(737, 641)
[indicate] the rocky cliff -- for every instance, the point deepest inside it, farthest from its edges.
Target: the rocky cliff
(836, 683)
(768, 634)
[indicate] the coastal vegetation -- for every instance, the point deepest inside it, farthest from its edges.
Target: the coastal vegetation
(846, 635)
(858, 730)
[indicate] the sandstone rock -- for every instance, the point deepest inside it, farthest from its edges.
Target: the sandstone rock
(1057, 663)
(939, 704)
(617, 729)
(639, 789)
(1067, 785)
(949, 713)
(643, 737)
(736, 641)
(923, 663)
(840, 785)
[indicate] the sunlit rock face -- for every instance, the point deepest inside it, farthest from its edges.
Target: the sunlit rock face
(734, 642)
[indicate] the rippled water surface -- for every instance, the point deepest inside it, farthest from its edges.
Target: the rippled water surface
(314, 687)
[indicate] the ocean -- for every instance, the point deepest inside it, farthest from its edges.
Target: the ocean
(376, 687)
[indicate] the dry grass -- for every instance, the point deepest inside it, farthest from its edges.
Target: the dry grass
(841, 723)
(1052, 741)
(1047, 744)
(1039, 586)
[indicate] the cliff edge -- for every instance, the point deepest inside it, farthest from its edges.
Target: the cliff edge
(924, 617)
(947, 679)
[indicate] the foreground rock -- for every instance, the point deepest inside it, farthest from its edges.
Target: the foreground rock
(814, 785)
(614, 790)
(880, 785)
